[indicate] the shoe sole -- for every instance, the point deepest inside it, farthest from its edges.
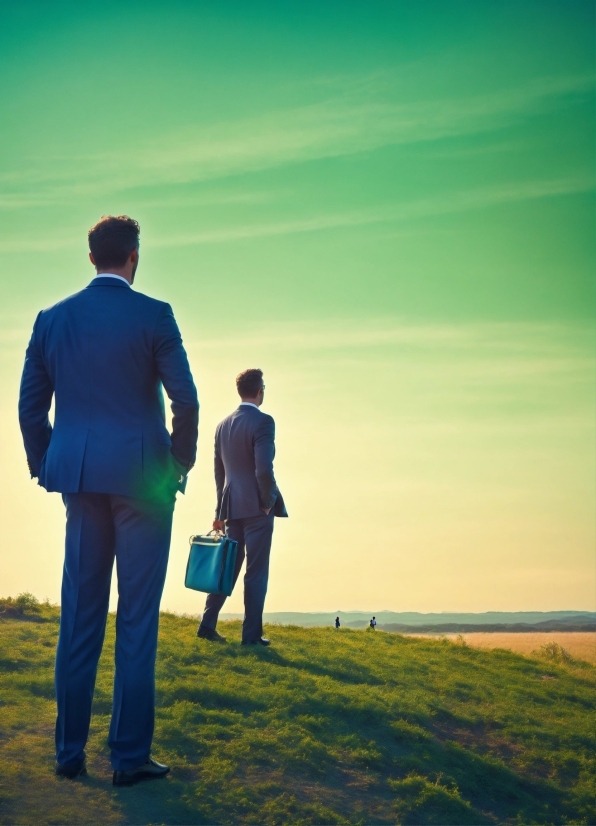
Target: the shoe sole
(74, 775)
(256, 643)
(134, 780)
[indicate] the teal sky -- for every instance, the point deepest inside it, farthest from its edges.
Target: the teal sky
(388, 207)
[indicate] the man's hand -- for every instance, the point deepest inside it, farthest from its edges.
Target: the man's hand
(219, 525)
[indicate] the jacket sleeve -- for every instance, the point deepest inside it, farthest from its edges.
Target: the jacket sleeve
(35, 399)
(220, 475)
(174, 372)
(264, 447)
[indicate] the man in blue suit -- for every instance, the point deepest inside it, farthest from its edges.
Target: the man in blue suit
(247, 500)
(104, 354)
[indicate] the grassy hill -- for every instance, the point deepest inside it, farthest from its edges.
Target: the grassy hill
(325, 727)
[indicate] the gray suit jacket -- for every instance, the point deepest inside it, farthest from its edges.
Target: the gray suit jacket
(244, 453)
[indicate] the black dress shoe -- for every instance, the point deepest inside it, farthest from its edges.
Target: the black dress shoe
(210, 634)
(262, 641)
(151, 770)
(72, 771)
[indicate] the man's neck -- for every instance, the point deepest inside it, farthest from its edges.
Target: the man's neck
(121, 273)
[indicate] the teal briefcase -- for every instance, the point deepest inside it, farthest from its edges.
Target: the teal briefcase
(211, 564)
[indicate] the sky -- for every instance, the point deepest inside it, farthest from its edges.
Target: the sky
(388, 207)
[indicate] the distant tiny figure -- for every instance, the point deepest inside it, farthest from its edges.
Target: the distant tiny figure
(373, 623)
(337, 623)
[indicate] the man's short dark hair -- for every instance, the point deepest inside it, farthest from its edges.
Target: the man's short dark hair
(112, 239)
(249, 383)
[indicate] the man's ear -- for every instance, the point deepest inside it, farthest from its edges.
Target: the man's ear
(91, 258)
(134, 256)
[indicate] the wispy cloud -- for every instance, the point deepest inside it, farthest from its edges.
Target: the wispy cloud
(534, 340)
(19, 243)
(403, 212)
(437, 373)
(406, 211)
(342, 126)
(366, 116)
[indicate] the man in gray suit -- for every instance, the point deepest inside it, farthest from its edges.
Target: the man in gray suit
(247, 501)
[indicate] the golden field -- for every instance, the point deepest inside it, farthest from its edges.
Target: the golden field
(580, 644)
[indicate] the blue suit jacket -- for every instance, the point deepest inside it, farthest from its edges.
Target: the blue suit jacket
(244, 453)
(105, 353)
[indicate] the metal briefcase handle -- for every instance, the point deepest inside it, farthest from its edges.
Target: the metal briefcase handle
(216, 535)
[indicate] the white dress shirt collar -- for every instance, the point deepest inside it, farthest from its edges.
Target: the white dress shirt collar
(249, 404)
(111, 275)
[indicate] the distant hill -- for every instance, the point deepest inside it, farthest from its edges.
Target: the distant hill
(412, 621)
(582, 625)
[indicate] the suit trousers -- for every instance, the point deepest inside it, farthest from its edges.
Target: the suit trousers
(253, 535)
(136, 532)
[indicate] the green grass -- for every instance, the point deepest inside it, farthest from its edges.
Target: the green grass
(324, 727)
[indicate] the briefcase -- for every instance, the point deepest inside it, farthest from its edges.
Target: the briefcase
(211, 564)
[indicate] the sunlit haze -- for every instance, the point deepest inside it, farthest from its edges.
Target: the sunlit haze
(388, 208)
